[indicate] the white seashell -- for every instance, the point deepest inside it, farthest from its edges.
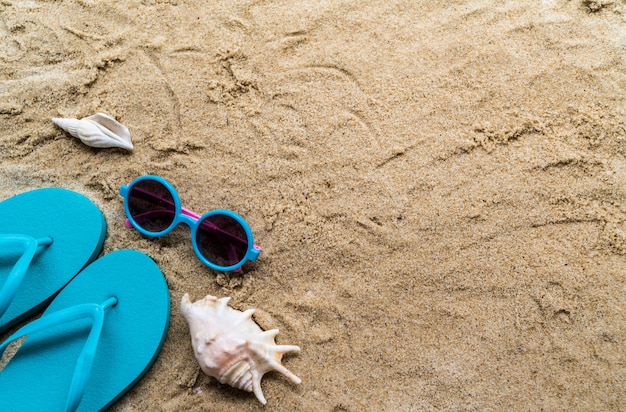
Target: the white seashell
(231, 347)
(99, 130)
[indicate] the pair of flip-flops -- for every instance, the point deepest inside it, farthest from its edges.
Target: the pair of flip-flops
(105, 322)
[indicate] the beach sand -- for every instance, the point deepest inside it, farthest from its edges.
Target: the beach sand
(439, 187)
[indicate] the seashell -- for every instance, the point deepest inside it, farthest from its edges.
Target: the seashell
(99, 130)
(231, 347)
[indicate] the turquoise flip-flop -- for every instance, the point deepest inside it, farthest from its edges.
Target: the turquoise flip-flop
(97, 338)
(46, 237)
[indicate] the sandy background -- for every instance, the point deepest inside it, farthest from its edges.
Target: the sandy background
(438, 186)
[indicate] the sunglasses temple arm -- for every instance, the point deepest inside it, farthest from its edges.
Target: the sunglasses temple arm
(191, 214)
(197, 216)
(185, 211)
(147, 215)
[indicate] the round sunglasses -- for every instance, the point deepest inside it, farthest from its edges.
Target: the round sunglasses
(221, 239)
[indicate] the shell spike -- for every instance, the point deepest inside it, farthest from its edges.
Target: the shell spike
(256, 387)
(208, 300)
(185, 299)
(271, 334)
(282, 349)
(278, 367)
(223, 302)
(248, 314)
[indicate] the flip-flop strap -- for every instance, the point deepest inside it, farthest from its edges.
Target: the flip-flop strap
(93, 311)
(29, 244)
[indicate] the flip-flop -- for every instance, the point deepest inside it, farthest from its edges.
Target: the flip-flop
(46, 237)
(97, 338)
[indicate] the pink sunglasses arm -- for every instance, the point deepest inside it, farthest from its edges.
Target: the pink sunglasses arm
(191, 214)
(186, 212)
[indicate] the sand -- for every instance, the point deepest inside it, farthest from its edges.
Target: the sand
(439, 187)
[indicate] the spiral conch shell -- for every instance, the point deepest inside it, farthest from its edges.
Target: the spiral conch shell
(99, 130)
(231, 347)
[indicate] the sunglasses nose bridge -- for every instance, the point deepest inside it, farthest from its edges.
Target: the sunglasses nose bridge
(188, 220)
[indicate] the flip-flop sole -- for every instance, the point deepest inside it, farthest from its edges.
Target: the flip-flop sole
(77, 228)
(38, 377)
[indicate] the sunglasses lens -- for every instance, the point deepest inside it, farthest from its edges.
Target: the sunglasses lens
(222, 240)
(151, 205)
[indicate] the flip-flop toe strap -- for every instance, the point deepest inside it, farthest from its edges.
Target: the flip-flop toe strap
(93, 311)
(29, 246)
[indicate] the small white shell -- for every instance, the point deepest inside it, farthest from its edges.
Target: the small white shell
(231, 347)
(99, 130)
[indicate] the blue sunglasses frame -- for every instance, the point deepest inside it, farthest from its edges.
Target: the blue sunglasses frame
(191, 219)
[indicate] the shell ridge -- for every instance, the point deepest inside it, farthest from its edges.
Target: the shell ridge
(238, 375)
(69, 125)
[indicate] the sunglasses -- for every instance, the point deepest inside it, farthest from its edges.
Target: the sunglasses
(221, 239)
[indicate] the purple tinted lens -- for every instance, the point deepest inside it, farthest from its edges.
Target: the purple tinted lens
(222, 240)
(151, 205)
